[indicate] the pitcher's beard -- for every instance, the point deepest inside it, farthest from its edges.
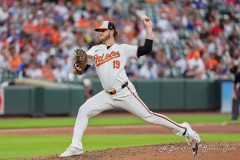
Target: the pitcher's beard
(103, 40)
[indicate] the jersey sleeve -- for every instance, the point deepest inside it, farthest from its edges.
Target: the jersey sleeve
(90, 54)
(130, 50)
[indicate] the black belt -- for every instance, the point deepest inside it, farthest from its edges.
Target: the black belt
(114, 91)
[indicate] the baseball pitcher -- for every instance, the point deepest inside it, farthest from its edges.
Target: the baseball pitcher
(109, 59)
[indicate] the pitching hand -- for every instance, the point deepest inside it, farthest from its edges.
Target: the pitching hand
(147, 22)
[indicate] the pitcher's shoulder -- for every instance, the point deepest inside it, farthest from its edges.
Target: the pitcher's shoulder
(126, 45)
(121, 45)
(94, 49)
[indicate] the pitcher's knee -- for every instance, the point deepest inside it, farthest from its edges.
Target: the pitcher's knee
(82, 111)
(149, 118)
(86, 112)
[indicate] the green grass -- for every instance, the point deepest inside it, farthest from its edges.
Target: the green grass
(36, 122)
(106, 121)
(16, 146)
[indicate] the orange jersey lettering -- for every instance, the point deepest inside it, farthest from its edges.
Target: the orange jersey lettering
(101, 59)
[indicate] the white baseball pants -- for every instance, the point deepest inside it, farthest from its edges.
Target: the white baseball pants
(126, 99)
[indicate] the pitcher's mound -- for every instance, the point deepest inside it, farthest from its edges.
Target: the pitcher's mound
(181, 151)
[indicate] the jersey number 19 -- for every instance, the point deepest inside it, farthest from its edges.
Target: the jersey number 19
(116, 64)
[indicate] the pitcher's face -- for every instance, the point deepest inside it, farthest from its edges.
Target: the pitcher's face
(104, 35)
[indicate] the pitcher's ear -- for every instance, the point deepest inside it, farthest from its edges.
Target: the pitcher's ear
(115, 34)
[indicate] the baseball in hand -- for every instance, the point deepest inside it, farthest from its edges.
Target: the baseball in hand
(145, 18)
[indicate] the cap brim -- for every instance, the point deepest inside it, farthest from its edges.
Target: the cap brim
(99, 29)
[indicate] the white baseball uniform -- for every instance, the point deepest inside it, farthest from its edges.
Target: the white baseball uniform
(110, 65)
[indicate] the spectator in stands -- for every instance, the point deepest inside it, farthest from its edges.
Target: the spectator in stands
(162, 63)
(149, 70)
(66, 64)
(47, 70)
(34, 71)
(183, 65)
(106, 5)
(3, 61)
(222, 71)
(59, 73)
(132, 69)
(14, 60)
(196, 67)
(37, 29)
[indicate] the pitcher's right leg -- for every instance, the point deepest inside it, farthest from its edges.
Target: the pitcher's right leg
(136, 106)
(90, 108)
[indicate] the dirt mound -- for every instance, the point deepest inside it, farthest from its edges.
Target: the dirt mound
(181, 151)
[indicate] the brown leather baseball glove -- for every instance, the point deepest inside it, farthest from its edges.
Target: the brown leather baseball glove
(80, 61)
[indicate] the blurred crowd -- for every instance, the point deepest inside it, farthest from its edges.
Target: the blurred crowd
(192, 38)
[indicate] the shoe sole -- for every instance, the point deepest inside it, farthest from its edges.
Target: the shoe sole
(70, 156)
